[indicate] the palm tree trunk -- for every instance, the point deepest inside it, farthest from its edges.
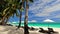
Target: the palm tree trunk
(3, 19)
(20, 19)
(20, 14)
(6, 20)
(2, 23)
(26, 19)
(26, 23)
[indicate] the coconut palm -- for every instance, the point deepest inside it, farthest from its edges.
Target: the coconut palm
(21, 9)
(10, 9)
(26, 17)
(2, 4)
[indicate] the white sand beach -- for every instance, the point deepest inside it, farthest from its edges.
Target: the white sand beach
(12, 30)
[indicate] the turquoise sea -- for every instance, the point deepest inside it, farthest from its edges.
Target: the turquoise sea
(42, 24)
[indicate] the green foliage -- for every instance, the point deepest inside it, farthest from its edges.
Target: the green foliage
(8, 8)
(5, 10)
(31, 0)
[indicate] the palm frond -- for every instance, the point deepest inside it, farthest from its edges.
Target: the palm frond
(31, 0)
(5, 10)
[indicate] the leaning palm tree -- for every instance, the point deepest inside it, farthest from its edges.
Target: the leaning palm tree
(10, 9)
(3, 16)
(2, 7)
(18, 5)
(20, 10)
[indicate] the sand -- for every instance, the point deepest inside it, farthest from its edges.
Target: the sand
(12, 30)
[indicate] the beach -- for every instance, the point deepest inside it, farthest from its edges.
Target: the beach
(12, 30)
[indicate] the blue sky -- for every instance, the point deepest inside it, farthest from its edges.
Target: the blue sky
(40, 10)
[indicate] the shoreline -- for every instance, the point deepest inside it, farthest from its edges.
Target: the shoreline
(53, 26)
(55, 29)
(21, 30)
(43, 27)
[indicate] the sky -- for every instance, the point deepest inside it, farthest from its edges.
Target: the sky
(41, 10)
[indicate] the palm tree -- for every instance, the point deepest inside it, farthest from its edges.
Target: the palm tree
(2, 4)
(26, 17)
(10, 9)
(21, 9)
(3, 17)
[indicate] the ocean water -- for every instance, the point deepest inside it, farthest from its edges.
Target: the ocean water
(42, 24)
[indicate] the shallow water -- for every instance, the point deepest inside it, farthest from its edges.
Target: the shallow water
(37, 24)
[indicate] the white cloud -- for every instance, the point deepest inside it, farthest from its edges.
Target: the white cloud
(19, 21)
(29, 21)
(23, 21)
(33, 21)
(48, 20)
(57, 16)
(47, 11)
(53, 8)
(40, 7)
(41, 3)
